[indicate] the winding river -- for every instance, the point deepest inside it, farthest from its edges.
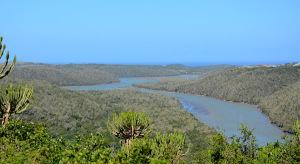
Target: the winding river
(222, 115)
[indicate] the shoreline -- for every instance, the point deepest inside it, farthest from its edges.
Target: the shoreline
(125, 78)
(87, 85)
(256, 106)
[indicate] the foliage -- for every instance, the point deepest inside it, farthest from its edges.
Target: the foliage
(29, 143)
(283, 106)
(14, 102)
(167, 148)
(171, 145)
(244, 149)
(129, 125)
(4, 72)
(233, 149)
(22, 142)
(198, 69)
(66, 77)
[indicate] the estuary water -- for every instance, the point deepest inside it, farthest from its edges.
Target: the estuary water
(222, 115)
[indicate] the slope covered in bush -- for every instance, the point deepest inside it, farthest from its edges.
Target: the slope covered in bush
(283, 107)
(63, 77)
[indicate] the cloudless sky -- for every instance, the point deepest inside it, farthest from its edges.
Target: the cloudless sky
(112, 31)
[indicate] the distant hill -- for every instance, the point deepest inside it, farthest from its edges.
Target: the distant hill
(198, 69)
(63, 77)
(95, 74)
(123, 71)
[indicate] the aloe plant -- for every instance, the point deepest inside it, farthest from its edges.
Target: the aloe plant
(14, 102)
(129, 125)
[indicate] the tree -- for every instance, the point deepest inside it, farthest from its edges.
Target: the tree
(129, 125)
(12, 102)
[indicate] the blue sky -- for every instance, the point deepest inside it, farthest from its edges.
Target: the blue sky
(151, 31)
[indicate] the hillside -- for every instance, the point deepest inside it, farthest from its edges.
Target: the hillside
(122, 71)
(95, 74)
(63, 77)
(248, 85)
(68, 113)
(283, 107)
(198, 69)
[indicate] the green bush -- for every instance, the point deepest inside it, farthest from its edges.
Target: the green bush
(29, 143)
(166, 148)
(244, 149)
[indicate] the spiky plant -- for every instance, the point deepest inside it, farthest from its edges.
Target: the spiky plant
(4, 72)
(14, 102)
(171, 145)
(129, 125)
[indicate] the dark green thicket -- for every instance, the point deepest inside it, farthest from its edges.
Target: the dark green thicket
(275, 90)
(29, 143)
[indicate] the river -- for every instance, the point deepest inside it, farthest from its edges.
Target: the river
(222, 115)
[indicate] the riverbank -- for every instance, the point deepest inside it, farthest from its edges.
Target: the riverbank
(67, 87)
(243, 103)
(139, 78)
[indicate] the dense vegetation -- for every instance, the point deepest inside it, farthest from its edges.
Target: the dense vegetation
(244, 149)
(69, 113)
(122, 71)
(63, 77)
(273, 89)
(94, 74)
(283, 107)
(198, 69)
(29, 143)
